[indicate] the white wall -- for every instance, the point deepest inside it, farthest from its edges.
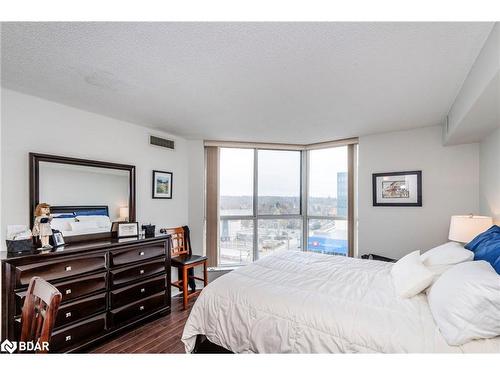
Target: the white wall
(450, 177)
(474, 112)
(37, 125)
(489, 176)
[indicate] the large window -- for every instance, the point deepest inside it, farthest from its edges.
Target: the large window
(328, 201)
(272, 200)
(236, 181)
(279, 182)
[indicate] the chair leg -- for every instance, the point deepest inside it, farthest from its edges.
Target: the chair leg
(179, 276)
(185, 287)
(205, 274)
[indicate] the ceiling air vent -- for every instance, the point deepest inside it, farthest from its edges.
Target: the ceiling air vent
(162, 142)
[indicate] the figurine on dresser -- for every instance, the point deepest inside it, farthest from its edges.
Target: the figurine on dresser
(42, 226)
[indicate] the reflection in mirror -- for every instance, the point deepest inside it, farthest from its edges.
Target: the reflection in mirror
(77, 185)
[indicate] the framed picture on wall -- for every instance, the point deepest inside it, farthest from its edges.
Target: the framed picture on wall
(398, 189)
(162, 185)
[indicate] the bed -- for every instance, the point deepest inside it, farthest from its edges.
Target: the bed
(81, 220)
(301, 302)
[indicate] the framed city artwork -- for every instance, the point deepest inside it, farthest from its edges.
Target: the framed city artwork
(399, 189)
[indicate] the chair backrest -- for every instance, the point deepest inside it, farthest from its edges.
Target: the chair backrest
(39, 312)
(180, 242)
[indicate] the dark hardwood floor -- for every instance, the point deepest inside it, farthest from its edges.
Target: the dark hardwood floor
(162, 335)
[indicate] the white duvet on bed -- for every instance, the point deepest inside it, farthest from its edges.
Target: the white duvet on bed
(298, 302)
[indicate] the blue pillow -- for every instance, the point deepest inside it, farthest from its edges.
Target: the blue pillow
(486, 246)
(92, 212)
(71, 215)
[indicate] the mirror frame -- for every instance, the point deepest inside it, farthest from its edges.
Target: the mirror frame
(34, 182)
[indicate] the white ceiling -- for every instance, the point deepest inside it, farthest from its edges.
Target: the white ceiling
(272, 82)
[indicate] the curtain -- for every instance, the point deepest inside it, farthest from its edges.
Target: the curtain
(212, 204)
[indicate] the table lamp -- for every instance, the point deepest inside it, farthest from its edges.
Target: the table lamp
(124, 213)
(463, 228)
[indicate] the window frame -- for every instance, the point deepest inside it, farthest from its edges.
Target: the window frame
(303, 206)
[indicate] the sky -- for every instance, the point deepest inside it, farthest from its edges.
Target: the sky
(279, 172)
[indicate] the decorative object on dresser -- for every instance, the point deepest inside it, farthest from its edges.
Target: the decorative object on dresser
(18, 238)
(125, 230)
(41, 226)
(39, 312)
(397, 189)
(57, 238)
(185, 262)
(107, 286)
(149, 230)
(162, 185)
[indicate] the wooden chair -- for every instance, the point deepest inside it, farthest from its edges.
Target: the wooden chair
(183, 259)
(39, 312)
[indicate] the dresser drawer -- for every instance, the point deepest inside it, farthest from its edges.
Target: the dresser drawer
(50, 271)
(65, 338)
(74, 311)
(124, 296)
(122, 276)
(136, 254)
(134, 310)
(72, 289)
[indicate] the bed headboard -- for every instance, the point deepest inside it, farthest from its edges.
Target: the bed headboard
(88, 210)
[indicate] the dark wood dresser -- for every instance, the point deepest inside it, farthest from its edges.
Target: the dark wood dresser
(107, 286)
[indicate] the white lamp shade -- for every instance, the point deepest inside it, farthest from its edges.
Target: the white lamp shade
(465, 228)
(124, 212)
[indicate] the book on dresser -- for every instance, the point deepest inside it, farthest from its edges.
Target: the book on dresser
(107, 286)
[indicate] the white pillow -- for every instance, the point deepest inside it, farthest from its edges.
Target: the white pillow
(102, 221)
(441, 258)
(465, 302)
(410, 276)
(78, 226)
(62, 224)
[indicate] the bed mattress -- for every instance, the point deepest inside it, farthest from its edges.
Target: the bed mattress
(300, 302)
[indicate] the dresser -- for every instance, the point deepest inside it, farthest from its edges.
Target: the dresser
(107, 286)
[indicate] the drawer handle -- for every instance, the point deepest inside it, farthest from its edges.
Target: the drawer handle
(141, 253)
(68, 338)
(141, 272)
(143, 290)
(141, 308)
(67, 268)
(68, 314)
(68, 291)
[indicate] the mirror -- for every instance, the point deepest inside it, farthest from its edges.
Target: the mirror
(76, 185)
(85, 196)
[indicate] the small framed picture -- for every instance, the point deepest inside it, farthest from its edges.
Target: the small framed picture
(162, 185)
(58, 239)
(397, 189)
(127, 230)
